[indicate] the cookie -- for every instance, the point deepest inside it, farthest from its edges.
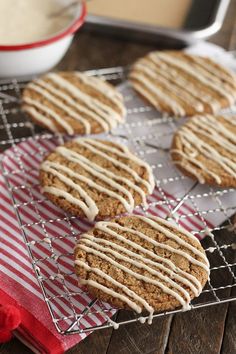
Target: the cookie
(73, 103)
(141, 263)
(182, 84)
(204, 149)
(94, 179)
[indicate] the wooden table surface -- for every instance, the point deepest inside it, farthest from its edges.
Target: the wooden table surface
(209, 330)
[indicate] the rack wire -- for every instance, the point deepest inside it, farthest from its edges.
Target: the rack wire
(50, 234)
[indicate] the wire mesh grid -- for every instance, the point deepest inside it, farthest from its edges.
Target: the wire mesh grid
(50, 234)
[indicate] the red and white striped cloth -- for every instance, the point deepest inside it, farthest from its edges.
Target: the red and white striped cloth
(18, 283)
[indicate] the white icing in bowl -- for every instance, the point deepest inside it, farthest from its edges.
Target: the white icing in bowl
(30, 58)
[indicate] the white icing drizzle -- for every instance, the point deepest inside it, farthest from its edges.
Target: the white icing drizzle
(143, 259)
(85, 109)
(87, 143)
(173, 75)
(103, 248)
(214, 72)
(164, 69)
(50, 112)
(197, 74)
(104, 89)
(215, 131)
(94, 104)
(140, 265)
(191, 169)
(103, 226)
(77, 107)
(67, 196)
(53, 168)
(164, 246)
(156, 91)
(230, 119)
(145, 93)
(139, 276)
(154, 222)
(124, 288)
(211, 249)
(97, 170)
(125, 154)
(220, 128)
(142, 320)
(67, 176)
(188, 137)
(40, 118)
(185, 96)
(108, 291)
(60, 105)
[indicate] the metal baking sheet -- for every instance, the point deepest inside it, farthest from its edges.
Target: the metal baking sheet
(204, 18)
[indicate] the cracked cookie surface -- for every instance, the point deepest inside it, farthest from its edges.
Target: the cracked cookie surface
(95, 179)
(73, 103)
(204, 148)
(141, 263)
(182, 84)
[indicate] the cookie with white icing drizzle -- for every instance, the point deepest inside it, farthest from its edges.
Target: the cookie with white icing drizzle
(73, 103)
(204, 148)
(182, 84)
(94, 178)
(141, 263)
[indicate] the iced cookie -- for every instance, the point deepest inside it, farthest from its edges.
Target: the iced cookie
(73, 103)
(141, 263)
(204, 148)
(182, 84)
(94, 179)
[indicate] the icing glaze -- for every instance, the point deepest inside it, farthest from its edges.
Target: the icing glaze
(104, 89)
(97, 170)
(94, 104)
(41, 118)
(215, 131)
(158, 78)
(87, 143)
(48, 111)
(58, 102)
(168, 276)
(211, 128)
(58, 93)
(185, 96)
(72, 179)
(53, 168)
(184, 66)
(163, 97)
(170, 73)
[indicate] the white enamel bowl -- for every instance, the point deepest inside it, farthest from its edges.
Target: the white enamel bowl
(38, 57)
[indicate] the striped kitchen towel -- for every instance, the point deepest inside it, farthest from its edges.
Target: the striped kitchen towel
(41, 221)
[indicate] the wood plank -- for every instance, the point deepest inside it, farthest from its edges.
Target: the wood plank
(201, 331)
(198, 332)
(137, 338)
(95, 343)
(229, 341)
(90, 50)
(14, 347)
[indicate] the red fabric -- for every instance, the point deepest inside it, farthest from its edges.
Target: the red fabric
(5, 336)
(10, 318)
(50, 344)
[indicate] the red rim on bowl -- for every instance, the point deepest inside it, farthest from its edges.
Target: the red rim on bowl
(70, 30)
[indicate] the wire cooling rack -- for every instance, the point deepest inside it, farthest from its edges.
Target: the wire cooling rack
(200, 209)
